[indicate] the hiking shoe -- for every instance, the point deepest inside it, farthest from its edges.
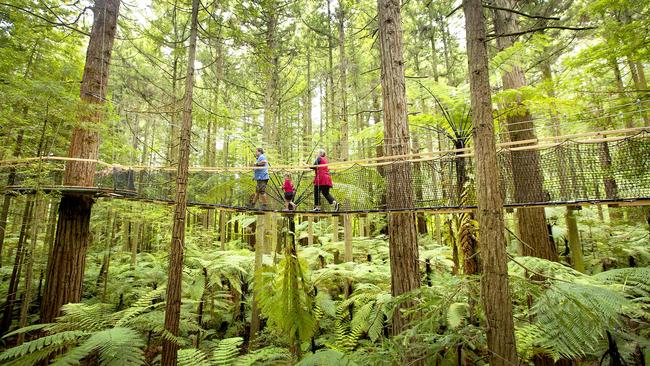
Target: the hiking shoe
(316, 209)
(336, 206)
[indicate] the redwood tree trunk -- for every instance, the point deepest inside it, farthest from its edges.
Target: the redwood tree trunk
(526, 169)
(173, 306)
(11, 179)
(65, 268)
(495, 294)
(402, 235)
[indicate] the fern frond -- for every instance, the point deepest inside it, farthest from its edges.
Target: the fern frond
(90, 318)
(58, 340)
(143, 304)
(226, 351)
(571, 320)
(328, 357)
(457, 313)
(115, 346)
(264, 356)
(192, 357)
(28, 329)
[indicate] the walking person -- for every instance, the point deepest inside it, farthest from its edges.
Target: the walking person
(323, 182)
(261, 176)
(289, 193)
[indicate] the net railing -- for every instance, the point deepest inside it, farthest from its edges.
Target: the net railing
(604, 170)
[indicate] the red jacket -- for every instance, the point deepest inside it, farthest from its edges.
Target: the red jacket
(322, 177)
(288, 186)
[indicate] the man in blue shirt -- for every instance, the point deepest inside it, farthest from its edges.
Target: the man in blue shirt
(261, 176)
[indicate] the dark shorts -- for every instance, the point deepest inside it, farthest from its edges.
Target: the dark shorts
(261, 186)
(289, 195)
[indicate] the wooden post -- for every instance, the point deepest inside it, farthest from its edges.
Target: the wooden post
(222, 229)
(362, 226)
(259, 253)
(310, 230)
(347, 230)
(574, 240)
(271, 232)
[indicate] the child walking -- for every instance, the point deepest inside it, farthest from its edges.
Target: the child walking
(289, 193)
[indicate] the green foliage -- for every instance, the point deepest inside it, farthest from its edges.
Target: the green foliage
(191, 357)
(287, 298)
(264, 356)
(114, 346)
(326, 358)
(226, 351)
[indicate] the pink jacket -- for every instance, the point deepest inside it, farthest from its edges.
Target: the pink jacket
(322, 177)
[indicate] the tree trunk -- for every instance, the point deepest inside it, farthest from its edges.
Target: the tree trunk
(307, 122)
(173, 306)
(330, 93)
(6, 203)
(495, 293)
(29, 271)
(620, 88)
(347, 238)
(526, 169)
(402, 235)
(14, 281)
(640, 84)
(260, 240)
(65, 268)
(345, 148)
(574, 240)
(271, 94)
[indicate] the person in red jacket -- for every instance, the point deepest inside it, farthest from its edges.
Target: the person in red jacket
(323, 182)
(289, 193)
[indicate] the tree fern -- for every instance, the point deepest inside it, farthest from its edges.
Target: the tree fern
(457, 314)
(287, 299)
(114, 346)
(326, 358)
(38, 349)
(571, 320)
(264, 356)
(192, 357)
(226, 351)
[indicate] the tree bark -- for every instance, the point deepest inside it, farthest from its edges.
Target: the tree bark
(14, 281)
(6, 202)
(260, 240)
(29, 271)
(343, 64)
(526, 169)
(173, 305)
(65, 268)
(402, 235)
(495, 293)
(347, 238)
(272, 73)
(574, 240)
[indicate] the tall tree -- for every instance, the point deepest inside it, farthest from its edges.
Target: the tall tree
(495, 293)
(526, 169)
(343, 80)
(175, 271)
(402, 234)
(66, 264)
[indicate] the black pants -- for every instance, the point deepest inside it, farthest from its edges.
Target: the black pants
(325, 190)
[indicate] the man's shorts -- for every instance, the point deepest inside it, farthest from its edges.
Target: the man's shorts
(289, 195)
(261, 186)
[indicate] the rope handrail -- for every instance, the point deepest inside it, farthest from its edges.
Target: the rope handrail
(531, 144)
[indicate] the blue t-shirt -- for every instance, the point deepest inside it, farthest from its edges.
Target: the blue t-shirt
(263, 172)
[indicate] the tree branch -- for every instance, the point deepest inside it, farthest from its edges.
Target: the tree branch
(533, 30)
(520, 13)
(49, 21)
